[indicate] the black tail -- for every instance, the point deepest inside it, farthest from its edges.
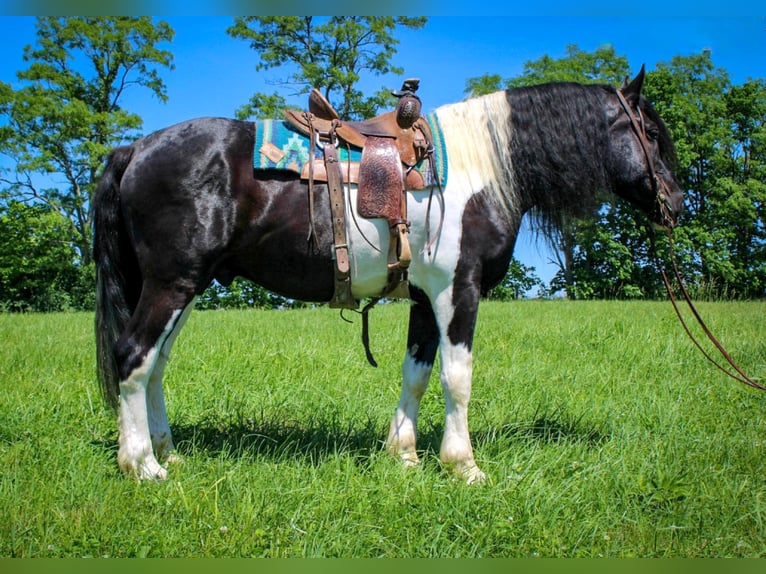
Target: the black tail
(115, 265)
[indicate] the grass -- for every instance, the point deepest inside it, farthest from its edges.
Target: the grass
(603, 431)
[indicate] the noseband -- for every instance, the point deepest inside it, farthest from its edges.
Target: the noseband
(658, 186)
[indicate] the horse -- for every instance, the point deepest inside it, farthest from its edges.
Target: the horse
(185, 205)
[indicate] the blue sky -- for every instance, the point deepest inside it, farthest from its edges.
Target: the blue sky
(215, 74)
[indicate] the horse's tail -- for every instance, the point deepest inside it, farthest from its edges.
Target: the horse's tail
(115, 268)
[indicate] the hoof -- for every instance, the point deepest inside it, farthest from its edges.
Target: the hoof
(148, 469)
(468, 473)
(154, 473)
(409, 460)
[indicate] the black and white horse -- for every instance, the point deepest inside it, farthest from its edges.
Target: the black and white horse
(184, 206)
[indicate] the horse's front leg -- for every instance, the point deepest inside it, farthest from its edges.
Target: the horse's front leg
(422, 343)
(458, 319)
(456, 452)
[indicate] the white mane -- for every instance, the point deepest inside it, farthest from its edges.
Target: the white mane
(477, 133)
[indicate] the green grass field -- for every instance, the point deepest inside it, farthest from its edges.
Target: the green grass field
(603, 430)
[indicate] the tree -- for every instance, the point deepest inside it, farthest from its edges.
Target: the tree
(610, 257)
(518, 281)
(481, 85)
(598, 67)
(241, 294)
(328, 53)
(37, 261)
(59, 125)
(719, 131)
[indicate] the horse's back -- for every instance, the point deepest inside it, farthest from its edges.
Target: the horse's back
(180, 148)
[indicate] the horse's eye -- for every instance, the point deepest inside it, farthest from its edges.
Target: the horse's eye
(652, 133)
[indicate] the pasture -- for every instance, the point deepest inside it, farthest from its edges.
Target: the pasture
(603, 431)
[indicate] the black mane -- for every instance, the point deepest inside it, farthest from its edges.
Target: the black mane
(559, 149)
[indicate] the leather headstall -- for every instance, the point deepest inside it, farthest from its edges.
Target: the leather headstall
(658, 186)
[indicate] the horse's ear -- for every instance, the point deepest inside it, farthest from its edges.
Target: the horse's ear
(632, 90)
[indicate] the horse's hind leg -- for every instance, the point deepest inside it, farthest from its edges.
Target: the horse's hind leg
(422, 343)
(139, 353)
(159, 427)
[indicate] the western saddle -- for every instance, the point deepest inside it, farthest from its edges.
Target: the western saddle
(392, 145)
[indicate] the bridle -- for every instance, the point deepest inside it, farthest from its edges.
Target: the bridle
(659, 187)
(660, 190)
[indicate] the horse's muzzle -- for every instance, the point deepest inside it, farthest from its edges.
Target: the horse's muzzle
(670, 205)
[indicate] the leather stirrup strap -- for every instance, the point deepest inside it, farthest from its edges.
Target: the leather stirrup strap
(312, 138)
(342, 297)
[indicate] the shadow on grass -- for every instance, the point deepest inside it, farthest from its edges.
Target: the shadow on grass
(312, 440)
(316, 438)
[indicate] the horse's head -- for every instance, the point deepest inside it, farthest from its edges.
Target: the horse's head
(643, 156)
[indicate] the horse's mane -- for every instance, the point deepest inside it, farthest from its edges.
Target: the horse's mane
(540, 149)
(479, 134)
(560, 150)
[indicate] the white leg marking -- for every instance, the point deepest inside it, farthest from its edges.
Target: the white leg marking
(456, 451)
(159, 427)
(135, 455)
(402, 434)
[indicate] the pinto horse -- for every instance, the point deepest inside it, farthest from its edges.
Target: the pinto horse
(184, 206)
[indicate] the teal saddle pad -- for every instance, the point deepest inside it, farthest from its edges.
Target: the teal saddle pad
(296, 148)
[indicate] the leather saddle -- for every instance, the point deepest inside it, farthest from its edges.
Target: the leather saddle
(392, 144)
(404, 126)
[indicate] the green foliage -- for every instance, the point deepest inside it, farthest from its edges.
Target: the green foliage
(602, 429)
(598, 67)
(603, 66)
(720, 135)
(37, 263)
(518, 281)
(65, 113)
(482, 85)
(241, 294)
(330, 54)
(262, 106)
(611, 258)
(59, 125)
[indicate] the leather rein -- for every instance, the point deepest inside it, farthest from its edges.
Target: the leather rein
(659, 188)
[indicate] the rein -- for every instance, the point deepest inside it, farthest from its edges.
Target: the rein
(738, 375)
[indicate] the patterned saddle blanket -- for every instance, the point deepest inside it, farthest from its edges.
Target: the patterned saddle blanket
(279, 146)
